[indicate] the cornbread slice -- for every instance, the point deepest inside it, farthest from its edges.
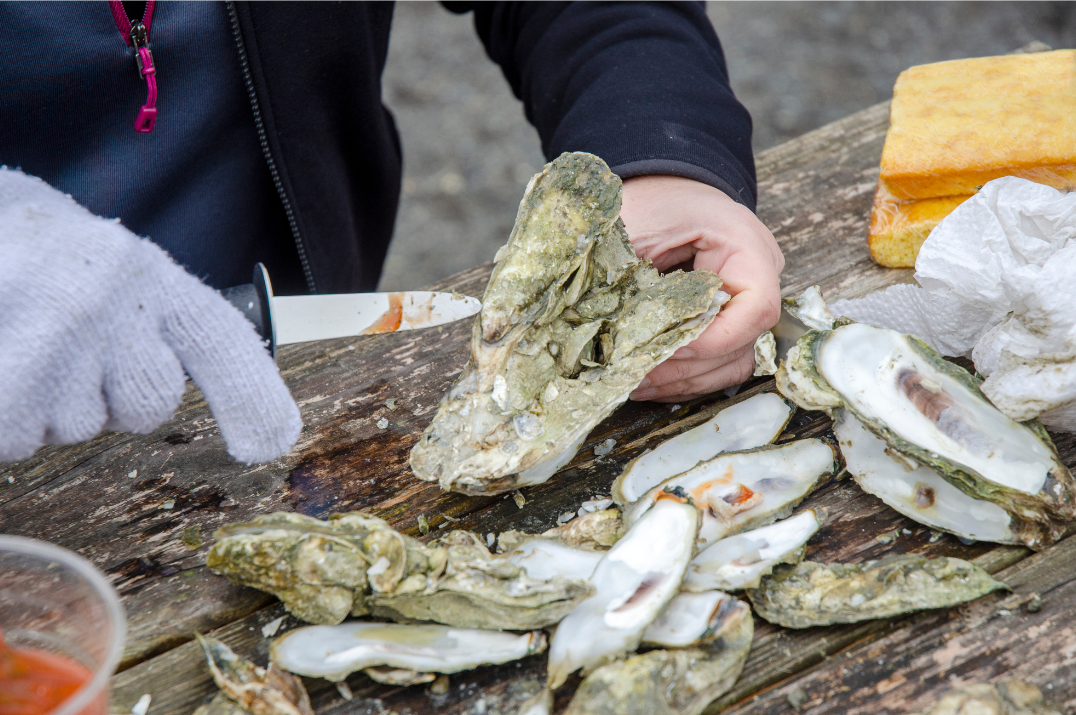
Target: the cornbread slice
(898, 228)
(956, 125)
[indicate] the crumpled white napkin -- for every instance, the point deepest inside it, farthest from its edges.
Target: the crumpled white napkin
(997, 277)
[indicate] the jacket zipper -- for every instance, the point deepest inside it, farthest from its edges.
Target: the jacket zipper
(137, 35)
(264, 140)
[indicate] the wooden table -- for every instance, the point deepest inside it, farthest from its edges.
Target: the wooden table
(143, 508)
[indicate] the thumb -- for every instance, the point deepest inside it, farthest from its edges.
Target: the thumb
(226, 358)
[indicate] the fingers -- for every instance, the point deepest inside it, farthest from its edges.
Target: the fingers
(226, 358)
(731, 373)
(143, 384)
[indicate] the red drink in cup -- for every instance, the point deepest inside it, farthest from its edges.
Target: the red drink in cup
(61, 631)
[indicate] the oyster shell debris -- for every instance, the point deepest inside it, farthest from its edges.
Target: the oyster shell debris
(765, 355)
(751, 423)
(675, 681)
(1005, 697)
(634, 581)
(571, 322)
(691, 618)
(932, 412)
(813, 594)
(332, 652)
(357, 564)
(738, 491)
(256, 690)
(597, 530)
(922, 494)
(740, 561)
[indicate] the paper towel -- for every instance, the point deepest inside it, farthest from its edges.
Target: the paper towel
(997, 279)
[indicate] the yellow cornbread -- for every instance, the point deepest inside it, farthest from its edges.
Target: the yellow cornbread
(956, 125)
(898, 228)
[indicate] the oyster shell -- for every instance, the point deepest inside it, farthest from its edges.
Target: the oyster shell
(810, 309)
(544, 559)
(921, 494)
(740, 561)
(765, 354)
(813, 594)
(357, 564)
(221, 704)
(743, 490)
(932, 412)
(633, 582)
(570, 324)
(691, 618)
(595, 531)
(259, 691)
(1005, 697)
(680, 681)
(387, 675)
(752, 423)
(332, 652)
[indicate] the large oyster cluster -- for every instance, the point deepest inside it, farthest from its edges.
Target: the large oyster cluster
(571, 322)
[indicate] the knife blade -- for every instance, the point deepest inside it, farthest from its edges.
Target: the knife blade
(283, 320)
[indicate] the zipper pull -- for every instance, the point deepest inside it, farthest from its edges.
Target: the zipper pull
(147, 115)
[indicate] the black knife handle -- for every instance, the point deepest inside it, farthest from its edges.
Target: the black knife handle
(254, 301)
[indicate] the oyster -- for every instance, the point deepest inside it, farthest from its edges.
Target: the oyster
(597, 530)
(691, 618)
(634, 581)
(259, 691)
(813, 594)
(932, 412)
(810, 309)
(742, 490)
(357, 564)
(571, 322)
(921, 494)
(332, 652)
(738, 562)
(765, 354)
(387, 675)
(544, 559)
(1005, 697)
(679, 681)
(752, 423)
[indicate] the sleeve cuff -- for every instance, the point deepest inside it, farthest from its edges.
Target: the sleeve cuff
(672, 167)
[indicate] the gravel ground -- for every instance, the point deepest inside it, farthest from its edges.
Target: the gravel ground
(468, 151)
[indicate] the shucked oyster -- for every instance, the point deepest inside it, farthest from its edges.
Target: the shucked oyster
(357, 564)
(571, 322)
(677, 681)
(933, 413)
(246, 688)
(814, 594)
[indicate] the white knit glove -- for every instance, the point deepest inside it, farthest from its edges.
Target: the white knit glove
(97, 327)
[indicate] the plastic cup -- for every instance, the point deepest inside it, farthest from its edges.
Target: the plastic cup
(56, 601)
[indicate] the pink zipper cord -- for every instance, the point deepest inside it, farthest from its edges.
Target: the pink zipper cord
(137, 36)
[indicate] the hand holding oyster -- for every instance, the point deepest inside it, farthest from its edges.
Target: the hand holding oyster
(571, 322)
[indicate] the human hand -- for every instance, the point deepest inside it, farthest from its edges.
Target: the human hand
(97, 327)
(682, 223)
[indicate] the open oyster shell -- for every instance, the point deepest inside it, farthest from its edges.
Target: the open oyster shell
(634, 581)
(933, 413)
(752, 423)
(544, 559)
(738, 491)
(571, 322)
(249, 688)
(357, 564)
(692, 618)
(1005, 697)
(675, 681)
(813, 594)
(332, 652)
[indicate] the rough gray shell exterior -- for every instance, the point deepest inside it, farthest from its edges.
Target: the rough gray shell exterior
(247, 688)
(1005, 697)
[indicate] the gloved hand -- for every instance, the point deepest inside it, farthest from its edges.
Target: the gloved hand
(97, 327)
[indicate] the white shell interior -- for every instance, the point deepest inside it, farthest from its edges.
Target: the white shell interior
(334, 651)
(738, 562)
(541, 473)
(751, 423)
(921, 493)
(687, 618)
(885, 380)
(742, 489)
(544, 559)
(634, 581)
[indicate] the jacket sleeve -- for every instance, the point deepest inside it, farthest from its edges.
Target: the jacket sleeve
(642, 85)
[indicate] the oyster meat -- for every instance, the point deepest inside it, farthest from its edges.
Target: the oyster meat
(357, 564)
(743, 490)
(571, 322)
(813, 594)
(740, 561)
(690, 619)
(1005, 697)
(921, 494)
(246, 687)
(332, 652)
(634, 581)
(752, 423)
(932, 412)
(675, 681)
